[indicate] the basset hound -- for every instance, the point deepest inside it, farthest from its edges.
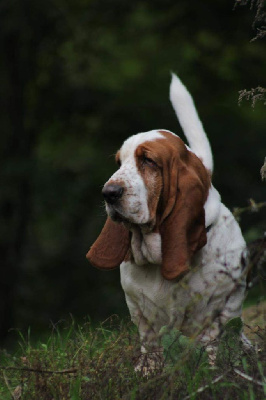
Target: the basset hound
(180, 250)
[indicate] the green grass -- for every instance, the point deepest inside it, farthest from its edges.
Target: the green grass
(84, 362)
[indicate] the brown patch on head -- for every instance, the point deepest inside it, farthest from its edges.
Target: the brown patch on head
(149, 169)
(180, 183)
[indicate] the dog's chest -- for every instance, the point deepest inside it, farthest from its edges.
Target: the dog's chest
(146, 248)
(147, 293)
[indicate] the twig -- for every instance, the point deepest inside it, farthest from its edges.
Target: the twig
(201, 389)
(40, 371)
(254, 207)
(7, 384)
(248, 378)
(108, 349)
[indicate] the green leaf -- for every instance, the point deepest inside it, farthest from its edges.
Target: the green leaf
(234, 325)
(177, 346)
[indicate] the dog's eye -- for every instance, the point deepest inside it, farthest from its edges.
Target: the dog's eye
(118, 161)
(148, 161)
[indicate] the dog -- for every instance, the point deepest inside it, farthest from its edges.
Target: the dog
(180, 250)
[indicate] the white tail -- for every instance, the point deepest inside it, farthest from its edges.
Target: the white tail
(187, 115)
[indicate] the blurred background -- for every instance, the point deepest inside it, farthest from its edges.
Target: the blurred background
(77, 78)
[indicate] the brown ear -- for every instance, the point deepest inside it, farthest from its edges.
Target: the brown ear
(183, 228)
(111, 247)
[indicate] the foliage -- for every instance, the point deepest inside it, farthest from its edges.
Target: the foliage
(85, 362)
(179, 347)
(254, 95)
(259, 22)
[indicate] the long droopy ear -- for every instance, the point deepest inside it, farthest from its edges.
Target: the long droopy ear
(111, 247)
(186, 185)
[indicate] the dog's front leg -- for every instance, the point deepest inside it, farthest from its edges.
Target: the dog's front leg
(151, 358)
(148, 324)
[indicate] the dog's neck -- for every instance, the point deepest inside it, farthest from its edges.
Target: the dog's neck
(146, 246)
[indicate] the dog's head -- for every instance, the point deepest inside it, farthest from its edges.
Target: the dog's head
(160, 185)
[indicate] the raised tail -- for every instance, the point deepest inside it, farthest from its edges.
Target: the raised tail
(187, 115)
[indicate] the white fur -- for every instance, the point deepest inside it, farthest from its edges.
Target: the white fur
(146, 247)
(187, 115)
(212, 206)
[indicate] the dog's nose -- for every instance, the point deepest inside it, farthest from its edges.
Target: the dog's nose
(112, 193)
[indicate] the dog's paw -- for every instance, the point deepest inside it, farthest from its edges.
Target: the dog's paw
(150, 363)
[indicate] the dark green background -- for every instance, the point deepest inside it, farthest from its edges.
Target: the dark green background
(77, 78)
